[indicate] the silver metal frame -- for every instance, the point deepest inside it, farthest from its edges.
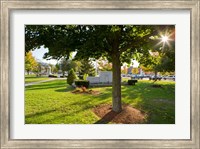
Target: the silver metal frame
(192, 5)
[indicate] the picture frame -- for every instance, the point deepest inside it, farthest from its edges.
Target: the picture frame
(8, 6)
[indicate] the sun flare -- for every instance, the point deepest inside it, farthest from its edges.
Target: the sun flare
(164, 38)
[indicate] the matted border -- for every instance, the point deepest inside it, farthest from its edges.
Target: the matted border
(7, 6)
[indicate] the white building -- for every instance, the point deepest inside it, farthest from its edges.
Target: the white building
(105, 77)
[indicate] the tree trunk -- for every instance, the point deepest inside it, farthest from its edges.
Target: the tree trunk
(156, 75)
(116, 83)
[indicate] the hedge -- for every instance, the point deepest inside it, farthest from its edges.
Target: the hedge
(52, 76)
(80, 83)
(132, 82)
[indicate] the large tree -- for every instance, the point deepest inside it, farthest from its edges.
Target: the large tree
(118, 43)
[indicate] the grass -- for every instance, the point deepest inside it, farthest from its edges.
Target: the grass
(53, 103)
(33, 78)
(125, 79)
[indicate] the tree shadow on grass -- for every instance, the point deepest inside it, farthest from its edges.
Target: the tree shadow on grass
(49, 121)
(40, 113)
(46, 85)
(107, 118)
(43, 87)
(68, 88)
(141, 89)
(53, 120)
(157, 102)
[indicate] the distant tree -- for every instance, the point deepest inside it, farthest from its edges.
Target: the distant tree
(145, 69)
(38, 69)
(135, 70)
(68, 64)
(54, 68)
(124, 69)
(63, 65)
(87, 68)
(71, 77)
(30, 62)
(105, 66)
(152, 61)
(57, 66)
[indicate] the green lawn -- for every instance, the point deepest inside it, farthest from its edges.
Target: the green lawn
(53, 103)
(33, 78)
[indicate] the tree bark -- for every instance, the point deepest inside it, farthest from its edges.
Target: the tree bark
(156, 75)
(116, 82)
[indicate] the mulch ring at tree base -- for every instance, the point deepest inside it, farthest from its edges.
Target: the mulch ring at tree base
(128, 115)
(80, 91)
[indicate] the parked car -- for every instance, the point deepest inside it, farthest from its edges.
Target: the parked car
(146, 76)
(155, 77)
(60, 74)
(171, 77)
(123, 75)
(129, 75)
(137, 76)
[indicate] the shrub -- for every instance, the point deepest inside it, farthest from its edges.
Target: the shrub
(80, 77)
(132, 82)
(85, 76)
(81, 83)
(52, 76)
(71, 77)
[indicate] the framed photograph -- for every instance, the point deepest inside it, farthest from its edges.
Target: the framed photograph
(100, 74)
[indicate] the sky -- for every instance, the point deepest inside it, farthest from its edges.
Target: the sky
(39, 53)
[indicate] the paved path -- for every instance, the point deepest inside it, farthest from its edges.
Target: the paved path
(38, 82)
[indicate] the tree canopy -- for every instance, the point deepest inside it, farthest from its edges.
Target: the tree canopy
(62, 39)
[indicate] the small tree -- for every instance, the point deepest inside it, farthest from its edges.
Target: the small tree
(71, 77)
(68, 64)
(85, 76)
(38, 69)
(87, 67)
(30, 62)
